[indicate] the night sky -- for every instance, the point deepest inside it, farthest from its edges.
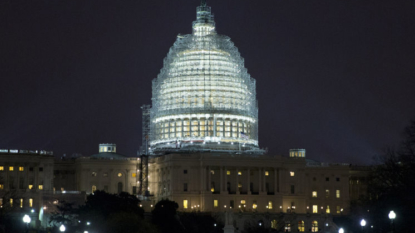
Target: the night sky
(336, 77)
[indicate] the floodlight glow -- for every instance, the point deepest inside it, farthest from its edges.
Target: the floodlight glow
(363, 223)
(392, 215)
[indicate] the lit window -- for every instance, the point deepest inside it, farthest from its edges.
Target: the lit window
(239, 185)
(292, 189)
(228, 172)
(301, 226)
(338, 209)
(266, 173)
(287, 227)
(327, 193)
(212, 189)
(215, 203)
(21, 202)
(94, 188)
(315, 209)
(243, 202)
(119, 174)
(11, 202)
(274, 224)
(1, 168)
(30, 202)
(40, 187)
(1, 186)
(185, 204)
(11, 168)
(133, 174)
(314, 194)
(185, 187)
(30, 186)
(314, 226)
(254, 205)
(21, 169)
(212, 172)
(328, 210)
(292, 173)
(239, 173)
(270, 205)
(337, 193)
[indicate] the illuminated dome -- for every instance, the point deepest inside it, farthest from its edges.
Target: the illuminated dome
(204, 98)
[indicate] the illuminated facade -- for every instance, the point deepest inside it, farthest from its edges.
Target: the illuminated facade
(204, 98)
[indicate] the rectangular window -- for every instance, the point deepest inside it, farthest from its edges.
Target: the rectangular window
(337, 193)
(133, 174)
(327, 179)
(243, 202)
(40, 187)
(21, 169)
(11, 202)
(266, 173)
(185, 202)
(184, 171)
(327, 193)
(270, 205)
(215, 203)
(328, 210)
(314, 194)
(228, 172)
(21, 202)
(231, 204)
(30, 186)
(239, 173)
(337, 179)
(292, 189)
(11, 169)
(30, 169)
(1, 186)
(338, 209)
(41, 169)
(1, 168)
(185, 187)
(31, 202)
(254, 205)
(292, 173)
(315, 209)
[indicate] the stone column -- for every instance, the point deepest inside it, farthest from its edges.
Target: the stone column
(237, 181)
(259, 180)
(249, 181)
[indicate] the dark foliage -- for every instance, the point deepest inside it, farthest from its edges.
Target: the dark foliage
(392, 187)
(166, 218)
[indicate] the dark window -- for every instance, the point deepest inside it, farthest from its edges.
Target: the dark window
(228, 186)
(327, 179)
(267, 187)
(231, 203)
(251, 187)
(41, 169)
(185, 187)
(185, 171)
(337, 179)
(134, 190)
(31, 169)
(314, 179)
(292, 189)
(21, 183)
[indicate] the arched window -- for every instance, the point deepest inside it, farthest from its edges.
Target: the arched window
(94, 188)
(274, 224)
(301, 226)
(119, 187)
(314, 226)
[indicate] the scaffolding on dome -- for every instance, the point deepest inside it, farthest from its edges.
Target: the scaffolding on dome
(204, 98)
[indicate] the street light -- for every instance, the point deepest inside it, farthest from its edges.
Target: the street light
(341, 230)
(392, 216)
(27, 220)
(62, 228)
(363, 224)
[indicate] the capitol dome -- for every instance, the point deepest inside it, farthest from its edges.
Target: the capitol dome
(204, 98)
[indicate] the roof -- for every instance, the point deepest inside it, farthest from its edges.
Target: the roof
(108, 155)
